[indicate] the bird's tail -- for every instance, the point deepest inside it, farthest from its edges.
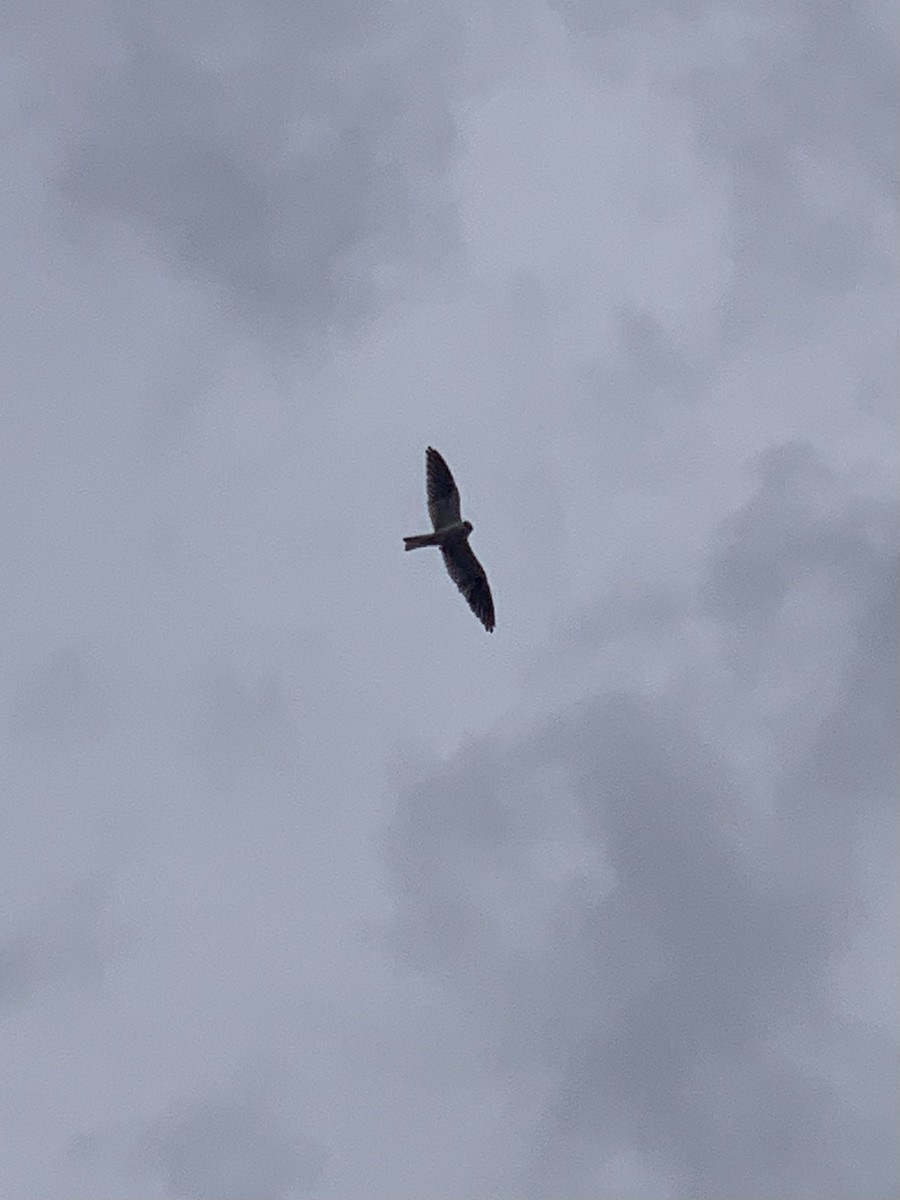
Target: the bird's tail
(420, 539)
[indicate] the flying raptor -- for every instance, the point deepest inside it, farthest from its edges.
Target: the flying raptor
(452, 535)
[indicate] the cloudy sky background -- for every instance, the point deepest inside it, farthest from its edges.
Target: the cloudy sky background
(309, 888)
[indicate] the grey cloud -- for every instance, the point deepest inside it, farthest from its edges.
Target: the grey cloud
(433, 849)
(236, 717)
(774, 97)
(650, 367)
(687, 1067)
(804, 76)
(641, 942)
(817, 89)
(290, 182)
(592, 19)
(239, 1142)
(64, 698)
(670, 995)
(851, 763)
(70, 942)
(802, 538)
(230, 1149)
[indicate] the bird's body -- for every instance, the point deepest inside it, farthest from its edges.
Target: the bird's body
(451, 533)
(441, 537)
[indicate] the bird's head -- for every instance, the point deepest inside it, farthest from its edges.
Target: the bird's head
(468, 527)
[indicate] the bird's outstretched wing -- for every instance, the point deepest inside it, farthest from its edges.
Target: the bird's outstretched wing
(468, 574)
(443, 494)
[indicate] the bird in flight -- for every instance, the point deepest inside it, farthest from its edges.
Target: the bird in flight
(452, 535)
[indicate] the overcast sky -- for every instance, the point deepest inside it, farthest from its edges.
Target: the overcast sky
(308, 887)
